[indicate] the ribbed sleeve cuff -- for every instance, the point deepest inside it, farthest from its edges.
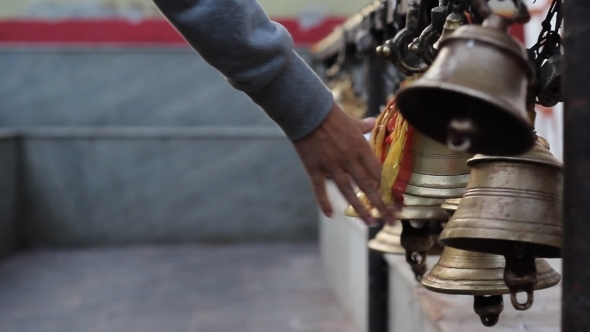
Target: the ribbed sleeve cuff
(297, 100)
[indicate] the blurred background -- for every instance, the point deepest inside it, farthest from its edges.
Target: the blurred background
(116, 137)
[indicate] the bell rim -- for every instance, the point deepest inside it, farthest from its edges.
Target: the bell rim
(523, 123)
(545, 249)
(422, 213)
(547, 277)
(431, 285)
(378, 246)
(435, 284)
(552, 162)
(426, 83)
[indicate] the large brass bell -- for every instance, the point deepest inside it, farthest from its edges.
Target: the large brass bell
(512, 207)
(473, 96)
(436, 174)
(460, 272)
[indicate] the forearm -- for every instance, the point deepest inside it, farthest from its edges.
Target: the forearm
(256, 56)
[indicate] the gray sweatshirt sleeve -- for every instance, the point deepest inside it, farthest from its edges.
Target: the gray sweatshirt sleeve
(256, 56)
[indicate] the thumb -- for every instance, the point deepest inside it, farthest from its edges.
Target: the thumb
(366, 125)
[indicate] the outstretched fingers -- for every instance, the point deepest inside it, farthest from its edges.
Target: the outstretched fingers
(318, 184)
(345, 186)
(370, 187)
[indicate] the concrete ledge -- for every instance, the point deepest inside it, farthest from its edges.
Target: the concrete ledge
(415, 309)
(344, 252)
(85, 186)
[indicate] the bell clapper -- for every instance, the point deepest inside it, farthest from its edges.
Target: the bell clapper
(417, 241)
(488, 308)
(417, 261)
(460, 135)
(520, 275)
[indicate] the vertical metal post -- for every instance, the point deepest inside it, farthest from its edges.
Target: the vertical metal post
(376, 69)
(378, 288)
(576, 236)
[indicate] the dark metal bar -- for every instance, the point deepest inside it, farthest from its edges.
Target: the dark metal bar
(378, 288)
(576, 244)
(345, 34)
(377, 89)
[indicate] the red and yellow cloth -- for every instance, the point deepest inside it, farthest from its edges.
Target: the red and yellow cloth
(391, 141)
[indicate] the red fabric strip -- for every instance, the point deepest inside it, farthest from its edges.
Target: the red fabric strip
(405, 169)
(124, 32)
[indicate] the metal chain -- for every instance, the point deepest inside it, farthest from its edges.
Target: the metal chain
(549, 41)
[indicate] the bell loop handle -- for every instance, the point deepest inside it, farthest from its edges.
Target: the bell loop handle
(522, 306)
(520, 275)
(521, 14)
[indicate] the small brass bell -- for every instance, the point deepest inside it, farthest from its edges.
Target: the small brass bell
(351, 212)
(416, 238)
(460, 272)
(347, 99)
(388, 240)
(451, 205)
(452, 23)
(473, 96)
(512, 207)
(550, 75)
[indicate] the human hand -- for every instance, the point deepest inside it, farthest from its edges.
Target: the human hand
(338, 148)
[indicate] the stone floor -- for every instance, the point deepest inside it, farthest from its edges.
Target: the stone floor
(242, 288)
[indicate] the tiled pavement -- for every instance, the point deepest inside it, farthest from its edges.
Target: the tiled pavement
(241, 288)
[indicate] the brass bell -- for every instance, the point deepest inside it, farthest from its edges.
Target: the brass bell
(473, 96)
(512, 207)
(436, 174)
(351, 212)
(451, 205)
(452, 23)
(460, 272)
(387, 240)
(345, 96)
